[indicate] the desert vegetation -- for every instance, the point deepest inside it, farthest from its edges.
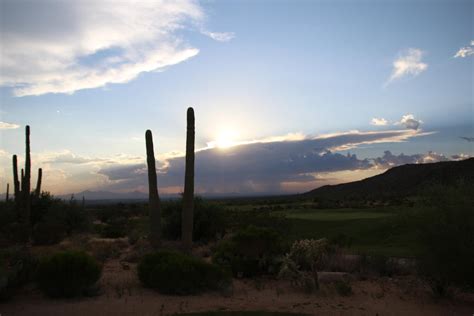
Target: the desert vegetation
(193, 246)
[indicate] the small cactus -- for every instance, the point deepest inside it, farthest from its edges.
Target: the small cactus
(187, 219)
(153, 197)
(7, 196)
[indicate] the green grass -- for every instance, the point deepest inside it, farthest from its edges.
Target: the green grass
(382, 232)
(335, 215)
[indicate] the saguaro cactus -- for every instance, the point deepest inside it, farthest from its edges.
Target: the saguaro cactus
(27, 182)
(38, 183)
(187, 219)
(16, 182)
(7, 196)
(22, 184)
(153, 197)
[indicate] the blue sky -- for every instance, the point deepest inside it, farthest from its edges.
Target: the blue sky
(264, 72)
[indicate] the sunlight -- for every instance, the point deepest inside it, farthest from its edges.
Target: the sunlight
(225, 139)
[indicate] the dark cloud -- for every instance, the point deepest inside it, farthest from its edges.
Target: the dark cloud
(262, 166)
(389, 160)
(124, 172)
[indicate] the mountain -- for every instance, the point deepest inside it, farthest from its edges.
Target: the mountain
(399, 181)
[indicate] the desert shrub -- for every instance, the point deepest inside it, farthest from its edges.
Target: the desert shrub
(209, 220)
(300, 265)
(17, 232)
(343, 288)
(67, 274)
(447, 238)
(251, 251)
(116, 228)
(17, 268)
(48, 233)
(175, 273)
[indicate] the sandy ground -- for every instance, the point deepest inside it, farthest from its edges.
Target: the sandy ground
(122, 294)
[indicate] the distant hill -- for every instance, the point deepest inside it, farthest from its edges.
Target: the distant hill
(106, 195)
(399, 181)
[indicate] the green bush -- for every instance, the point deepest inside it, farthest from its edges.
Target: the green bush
(251, 251)
(48, 233)
(209, 220)
(175, 273)
(17, 268)
(447, 238)
(67, 274)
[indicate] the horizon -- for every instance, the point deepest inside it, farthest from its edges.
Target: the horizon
(338, 93)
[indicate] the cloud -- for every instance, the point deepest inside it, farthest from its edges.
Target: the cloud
(70, 158)
(409, 63)
(460, 156)
(260, 166)
(5, 125)
(409, 121)
(64, 46)
(379, 121)
(465, 51)
(219, 36)
(389, 160)
(469, 139)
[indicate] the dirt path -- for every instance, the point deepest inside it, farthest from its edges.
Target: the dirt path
(123, 295)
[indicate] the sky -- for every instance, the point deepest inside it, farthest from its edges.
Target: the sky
(288, 95)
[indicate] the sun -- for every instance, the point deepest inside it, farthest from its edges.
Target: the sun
(225, 139)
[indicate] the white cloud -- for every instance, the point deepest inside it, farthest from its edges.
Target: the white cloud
(5, 125)
(409, 63)
(219, 36)
(379, 121)
(409, 121)
(465, 51)
(61, 47)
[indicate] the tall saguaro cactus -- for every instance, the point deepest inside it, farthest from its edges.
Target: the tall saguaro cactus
(187, 220)
(153, 197)
(27, 182)
(16, 182)
(38, 183)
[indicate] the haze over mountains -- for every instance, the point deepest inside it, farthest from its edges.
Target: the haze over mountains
(397, 181)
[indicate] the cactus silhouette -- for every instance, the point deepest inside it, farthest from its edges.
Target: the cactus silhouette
(16, 182)
(38, 184)
(22, 185)
(153, 197)
(187, 220)
(7, 196)
(27, 181)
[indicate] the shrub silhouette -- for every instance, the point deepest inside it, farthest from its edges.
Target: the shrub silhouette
(175, 273)
(67, 274)
(209, 220)
(447, 238)
(17, 268)
(251, 251)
